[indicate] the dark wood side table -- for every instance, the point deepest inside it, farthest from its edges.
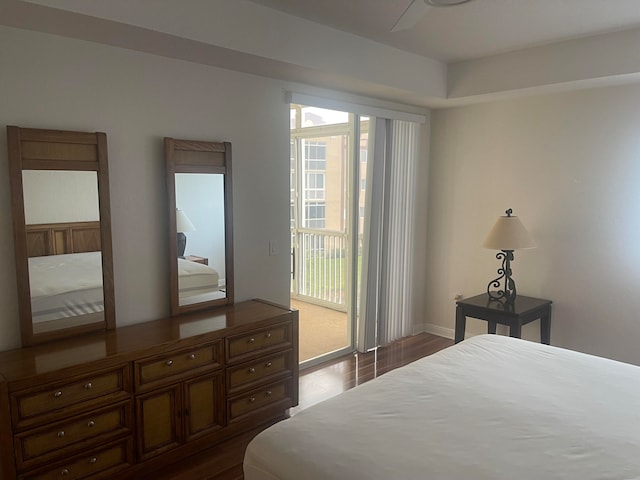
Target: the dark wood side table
(524, 310)
(195, 258)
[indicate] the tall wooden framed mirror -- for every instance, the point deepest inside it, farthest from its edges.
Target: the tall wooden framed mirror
(200, 224)
(62, 232)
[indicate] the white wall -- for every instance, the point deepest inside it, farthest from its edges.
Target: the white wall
(137, 99)
(569, 166)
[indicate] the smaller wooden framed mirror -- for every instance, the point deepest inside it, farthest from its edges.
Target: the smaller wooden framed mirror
(200, 224)
(62, 232)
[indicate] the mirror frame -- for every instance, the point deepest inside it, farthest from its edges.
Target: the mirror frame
(194, 156)
(25, 154)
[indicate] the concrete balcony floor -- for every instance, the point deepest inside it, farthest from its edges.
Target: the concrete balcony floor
(322, 330)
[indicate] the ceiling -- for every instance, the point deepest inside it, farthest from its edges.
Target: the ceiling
(480, 51)
(477, 29)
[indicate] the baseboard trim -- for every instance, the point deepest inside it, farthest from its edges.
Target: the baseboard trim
(435, 330)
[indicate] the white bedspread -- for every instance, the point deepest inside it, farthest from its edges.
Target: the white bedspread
(491, 407)
(66, 286)
(55, 274)
(196, 278)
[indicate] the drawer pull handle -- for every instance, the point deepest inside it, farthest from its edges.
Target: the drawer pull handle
(168, 363)
(88, 386)
(251, 340)
(252, 399)
(93, 460)
(58, 394)
(268, 335)
(268, 364)
(91, 424)
(269, 392)
(61, 434)
(252, 370)
(64, 472)
(192, 356)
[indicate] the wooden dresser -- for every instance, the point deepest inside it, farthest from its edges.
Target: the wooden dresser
(125, 402)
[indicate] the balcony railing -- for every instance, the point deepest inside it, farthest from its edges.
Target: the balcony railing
(321, 267)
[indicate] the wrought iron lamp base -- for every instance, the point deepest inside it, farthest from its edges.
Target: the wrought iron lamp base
(508, 292)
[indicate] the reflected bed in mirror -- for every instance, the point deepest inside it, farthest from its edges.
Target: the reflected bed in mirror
(60, 201)
(65, 288)
(200, 237)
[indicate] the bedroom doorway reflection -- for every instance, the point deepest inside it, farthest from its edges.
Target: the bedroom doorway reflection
(328, 149)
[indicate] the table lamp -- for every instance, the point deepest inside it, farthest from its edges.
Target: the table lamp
(183, 224)
(508, 234)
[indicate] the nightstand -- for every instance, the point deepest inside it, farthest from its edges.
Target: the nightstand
(196, 259)
(524, 310)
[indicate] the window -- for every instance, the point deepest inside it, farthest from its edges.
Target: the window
(315, 154)
(315, 215)
(315, 180)
(314, 186)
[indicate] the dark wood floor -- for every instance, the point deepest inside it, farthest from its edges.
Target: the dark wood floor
(316, 384)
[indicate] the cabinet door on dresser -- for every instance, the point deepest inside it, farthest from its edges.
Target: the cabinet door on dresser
(170, 416)
(203, 406)
(180, 397)
(159, 421)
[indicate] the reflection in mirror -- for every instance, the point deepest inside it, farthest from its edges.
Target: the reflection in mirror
(201, 326)
(62, 220)
(200, 221)
(50, 360)
(201, 252)
(62, 232)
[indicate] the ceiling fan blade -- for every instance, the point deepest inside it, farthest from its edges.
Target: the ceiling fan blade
(411, 16)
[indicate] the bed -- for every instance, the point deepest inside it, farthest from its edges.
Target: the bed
(491, 407)
(66, 286)
(65, 274)
(196, 282)
(69, 286)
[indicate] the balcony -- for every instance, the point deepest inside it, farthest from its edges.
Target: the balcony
(322, 329)
(319, 290)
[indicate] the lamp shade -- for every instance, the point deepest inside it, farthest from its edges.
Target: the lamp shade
(183, 224)
(508, 234)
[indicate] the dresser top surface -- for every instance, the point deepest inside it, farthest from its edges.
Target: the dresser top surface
(171, 332)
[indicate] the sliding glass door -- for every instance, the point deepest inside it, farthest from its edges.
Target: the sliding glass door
(326, 209)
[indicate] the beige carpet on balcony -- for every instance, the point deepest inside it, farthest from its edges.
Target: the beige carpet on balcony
(322, 330)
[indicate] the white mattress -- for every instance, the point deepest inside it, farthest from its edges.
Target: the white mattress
(491, 407)
(65, 286)
(196, 279)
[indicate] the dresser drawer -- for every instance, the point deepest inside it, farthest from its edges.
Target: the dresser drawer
(178, 363)
(102, 463)
(258, 341)
(50, 399)
(38, 445)
(267, 367)
(259, 398)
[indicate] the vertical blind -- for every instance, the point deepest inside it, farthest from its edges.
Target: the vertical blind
(397, 320)
(386, 309)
